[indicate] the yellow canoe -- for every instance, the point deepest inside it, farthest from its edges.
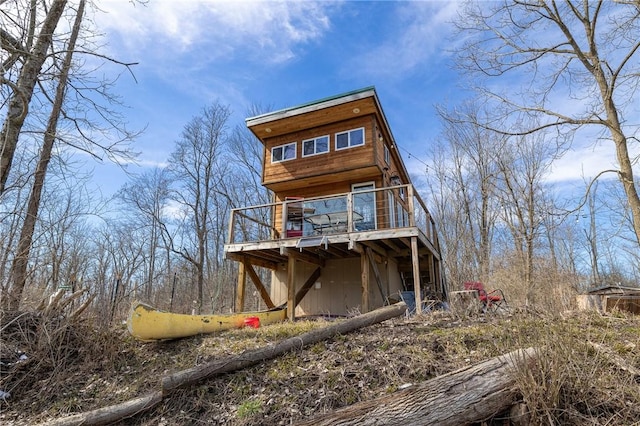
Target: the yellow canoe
(148, 323)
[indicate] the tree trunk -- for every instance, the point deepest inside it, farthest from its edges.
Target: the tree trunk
(20, 262)
(19, 103)
(465, 396)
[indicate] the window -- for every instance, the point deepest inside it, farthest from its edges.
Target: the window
(315, 146)
(364, 204)
(350, 138)
(283, 152)
(387, 155)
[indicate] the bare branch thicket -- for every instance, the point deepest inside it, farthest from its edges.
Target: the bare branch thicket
(27, 78)
(19, 267)
(571, 66)
(523, 165)
(145, 200)
(471, 153)
(198, 166)
(52, 78)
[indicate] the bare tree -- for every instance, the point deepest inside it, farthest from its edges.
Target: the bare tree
(471, 154)
(146, 197)
(579, 65)
(55, 51)
(198, 166)
(31, 52)
(523, 164)
(19, 266)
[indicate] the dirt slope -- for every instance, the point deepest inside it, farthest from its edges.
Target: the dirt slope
(67, 368)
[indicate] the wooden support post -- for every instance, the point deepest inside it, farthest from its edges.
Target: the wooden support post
(364, 278)
(416, 274)
(259, 286)
(240, 287)
(291, 288)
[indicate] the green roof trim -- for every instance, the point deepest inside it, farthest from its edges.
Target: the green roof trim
(263, 117)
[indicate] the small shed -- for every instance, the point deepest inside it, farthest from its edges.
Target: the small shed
(609, 297)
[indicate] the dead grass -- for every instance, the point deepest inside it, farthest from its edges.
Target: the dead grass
(71, 368)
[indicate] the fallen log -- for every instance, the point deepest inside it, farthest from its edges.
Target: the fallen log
(255, 356)
(246, 359)
(110, 414)
(469, 395)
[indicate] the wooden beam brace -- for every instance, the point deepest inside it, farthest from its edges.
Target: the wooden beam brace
(307, 285)
(375, 247)
(376, 272)
(258, 261)
(258, 283)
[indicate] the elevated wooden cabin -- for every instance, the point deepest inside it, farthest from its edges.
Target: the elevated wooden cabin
(346, 230)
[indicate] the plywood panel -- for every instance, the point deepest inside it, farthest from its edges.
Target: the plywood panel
(339, 292)
(623, 303)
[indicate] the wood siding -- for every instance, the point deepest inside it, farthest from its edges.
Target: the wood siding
(351, 162)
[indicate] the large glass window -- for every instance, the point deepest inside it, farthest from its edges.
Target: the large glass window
(315, 146)
(350, 138)
(283, 152)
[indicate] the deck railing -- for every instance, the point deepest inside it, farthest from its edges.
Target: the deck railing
(362, 211)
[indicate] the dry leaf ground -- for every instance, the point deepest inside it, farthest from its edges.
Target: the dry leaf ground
(71, 367)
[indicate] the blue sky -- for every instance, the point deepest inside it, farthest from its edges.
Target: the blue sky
(281, 54)
(276, 54)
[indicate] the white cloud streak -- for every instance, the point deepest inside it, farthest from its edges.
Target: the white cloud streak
(269, 31)
(420, 29)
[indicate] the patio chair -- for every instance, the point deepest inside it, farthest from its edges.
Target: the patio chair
(491, 301)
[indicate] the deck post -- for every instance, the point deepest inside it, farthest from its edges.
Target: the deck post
(364, 276)
(291, 288)
(240, 287)
(416, 274)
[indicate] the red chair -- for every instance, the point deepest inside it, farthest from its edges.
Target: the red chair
(491, 301)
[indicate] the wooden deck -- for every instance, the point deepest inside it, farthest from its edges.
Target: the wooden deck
(394, 243)
(403, 230)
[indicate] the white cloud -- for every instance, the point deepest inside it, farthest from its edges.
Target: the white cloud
(585, 163)
(421, 29)
(270, 31)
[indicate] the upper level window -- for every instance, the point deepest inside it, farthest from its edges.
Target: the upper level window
(350, 138)
(387, 155)
(314, 146)
(283, 152)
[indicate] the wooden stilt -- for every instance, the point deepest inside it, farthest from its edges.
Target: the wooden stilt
(291, 288)
(416, 274)
(240, 287)
(364, 278)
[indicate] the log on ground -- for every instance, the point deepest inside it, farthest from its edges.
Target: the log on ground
(252, 357)
(199, 373)
(469, 395)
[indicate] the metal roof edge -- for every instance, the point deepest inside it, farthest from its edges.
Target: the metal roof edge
(313, 106)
